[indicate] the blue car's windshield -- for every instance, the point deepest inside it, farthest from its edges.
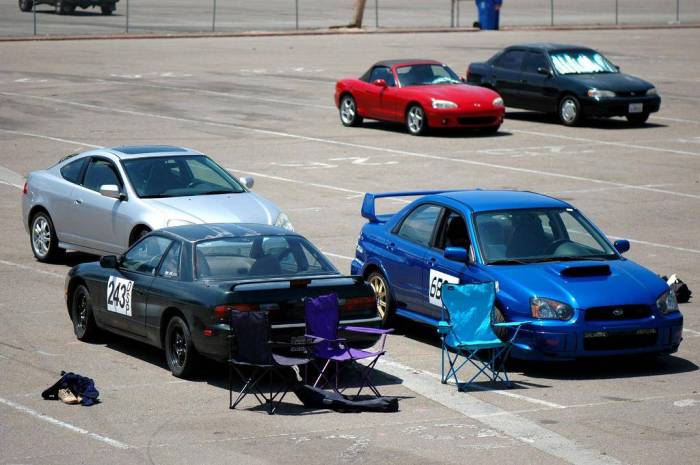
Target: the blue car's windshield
(581, 62)
(248, 257)
(178, 176)
(423, 75)
(539, 235)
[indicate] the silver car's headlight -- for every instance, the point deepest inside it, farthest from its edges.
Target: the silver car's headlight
(282, 221)
(443, 104)
(667, 303)
(550, 309)
(597, 93)
(652, 91)
(497, 102)
(178, 222)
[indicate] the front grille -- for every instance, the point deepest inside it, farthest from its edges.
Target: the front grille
(617, 312)
(636, 93)
(474, 120)
(621, 341)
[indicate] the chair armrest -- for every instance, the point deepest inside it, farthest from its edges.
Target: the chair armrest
(508, 324)
(363, 329)
(444, 327)
(323, 339)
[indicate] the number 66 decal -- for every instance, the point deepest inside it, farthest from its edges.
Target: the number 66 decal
(435, 283)
(119, 295)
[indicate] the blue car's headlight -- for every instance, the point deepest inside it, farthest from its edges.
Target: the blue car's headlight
(550, 309)
(667, 303)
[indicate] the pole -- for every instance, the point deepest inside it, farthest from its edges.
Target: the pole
(213, 19)
(457, 15)
(452, 13)
(616, 12)
(296, 13)
(34, 13)
(551, 12)
(127, 16)
(376, 14)
(678, 11)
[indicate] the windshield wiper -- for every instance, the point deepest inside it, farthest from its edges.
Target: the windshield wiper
(508, 261)
(594, 258)
(215, 192)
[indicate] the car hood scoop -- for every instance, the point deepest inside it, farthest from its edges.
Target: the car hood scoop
(585, 271)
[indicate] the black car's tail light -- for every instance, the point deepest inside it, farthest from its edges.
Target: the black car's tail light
(357, 304)
(223, 312)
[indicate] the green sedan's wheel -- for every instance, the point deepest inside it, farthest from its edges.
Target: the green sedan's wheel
(381, 291)
(570, 111)
(179, 350)
(84, 325)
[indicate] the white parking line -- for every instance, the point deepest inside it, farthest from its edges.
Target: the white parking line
(55, 139)
(691, 331)
(344, 257)
(63, 424)
(677, 120)
(30, 268)
(358, 146)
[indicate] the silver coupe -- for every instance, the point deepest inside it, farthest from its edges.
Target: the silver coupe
(103, 200)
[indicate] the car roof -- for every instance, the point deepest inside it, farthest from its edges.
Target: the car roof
(408, 61)
(200, 232)
(490, 200)
(548, 46)
(140, 151)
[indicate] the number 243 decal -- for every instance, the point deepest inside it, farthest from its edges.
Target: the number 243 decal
(119, 295)
(436, 281)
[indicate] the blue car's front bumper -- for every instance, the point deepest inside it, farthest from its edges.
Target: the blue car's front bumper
(594, 339)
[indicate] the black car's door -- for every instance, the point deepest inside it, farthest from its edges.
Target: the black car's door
(537, 91)
(406, 255)
(129, 286)
(507, 76)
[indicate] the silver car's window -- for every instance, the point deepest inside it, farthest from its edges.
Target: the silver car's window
(581, 62)
(423, 75)
(99, 173)
(71, 171)
(145, 256)
(536, 235)
(170, 268)
(259, 256)
(179, 176)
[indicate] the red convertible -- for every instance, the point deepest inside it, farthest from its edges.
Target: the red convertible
(421, 94)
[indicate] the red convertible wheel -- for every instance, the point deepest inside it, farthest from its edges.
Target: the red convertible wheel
(416, 122)
(348, 111)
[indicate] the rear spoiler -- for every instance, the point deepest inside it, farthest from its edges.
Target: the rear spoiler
(368, 203)
(301, 281)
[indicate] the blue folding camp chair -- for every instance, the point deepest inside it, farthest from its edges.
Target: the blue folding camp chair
(468, 337)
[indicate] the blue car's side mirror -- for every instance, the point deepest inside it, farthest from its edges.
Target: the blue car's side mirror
(622, 245)
(458, 254)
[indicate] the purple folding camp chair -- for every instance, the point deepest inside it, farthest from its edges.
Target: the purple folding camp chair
(322, 319)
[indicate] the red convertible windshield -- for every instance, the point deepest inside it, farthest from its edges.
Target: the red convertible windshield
(426, 74)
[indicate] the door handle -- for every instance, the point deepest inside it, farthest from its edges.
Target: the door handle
(431, 261)
(391, 246)
(77, 201)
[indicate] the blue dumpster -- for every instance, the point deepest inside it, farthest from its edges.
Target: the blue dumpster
(488, 13)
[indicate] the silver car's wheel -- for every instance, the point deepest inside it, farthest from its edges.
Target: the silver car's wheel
(415, 120)
(569, 111)
(380, 287)
(348, 111)
(43, 238)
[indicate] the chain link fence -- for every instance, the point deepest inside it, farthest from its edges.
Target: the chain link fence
(182, 16)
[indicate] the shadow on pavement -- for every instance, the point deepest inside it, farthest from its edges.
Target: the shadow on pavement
(438, 133)
(596, 123)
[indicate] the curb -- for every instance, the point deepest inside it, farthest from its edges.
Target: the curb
(335, 31)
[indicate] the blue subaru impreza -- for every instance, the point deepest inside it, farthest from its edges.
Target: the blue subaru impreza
(552, 266)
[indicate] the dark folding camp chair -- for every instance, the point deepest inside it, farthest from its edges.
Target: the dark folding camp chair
(322, 318)
(250, 347)
(468, 337)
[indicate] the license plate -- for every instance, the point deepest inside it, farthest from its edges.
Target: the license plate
(636, 108)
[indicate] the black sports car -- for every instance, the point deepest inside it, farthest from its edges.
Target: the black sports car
(175, 289)
(572, 81)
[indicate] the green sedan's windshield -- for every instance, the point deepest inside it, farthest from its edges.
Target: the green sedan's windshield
(423, 75)
(581, 62)
(539, 235)
(179, 176)
(249, 257)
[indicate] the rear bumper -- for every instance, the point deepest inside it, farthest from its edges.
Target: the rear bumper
(619, 106)
(460, 119)
(649, 336)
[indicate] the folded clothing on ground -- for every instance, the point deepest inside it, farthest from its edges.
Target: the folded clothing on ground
(81, 387)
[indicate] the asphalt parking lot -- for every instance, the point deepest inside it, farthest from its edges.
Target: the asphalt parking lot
(263, 107)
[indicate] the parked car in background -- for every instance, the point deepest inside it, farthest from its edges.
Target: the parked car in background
(552, 267)
(103, 200)
(422, 94)
(176, 288)
(65, 7)
(572, 81)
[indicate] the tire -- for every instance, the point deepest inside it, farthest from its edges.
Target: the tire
(180, 353)
(569, 111)
(108, 9)
(26, 5)
(84, 325)
(138, 234)
(43, 239)
(416, 121)
(637, 119)
(385, 305)
(497, 317)
(348, 111)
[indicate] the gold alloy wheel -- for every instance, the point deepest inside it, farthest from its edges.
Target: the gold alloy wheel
(380, 291)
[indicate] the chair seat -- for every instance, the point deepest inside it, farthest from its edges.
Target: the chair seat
(474, 345)
(286, 361)
(343, 355)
